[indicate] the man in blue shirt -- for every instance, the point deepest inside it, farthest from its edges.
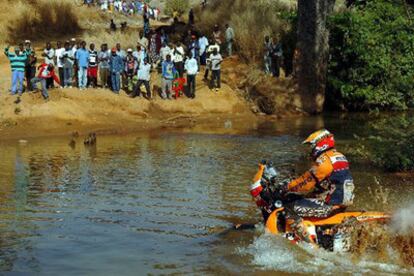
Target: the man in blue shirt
(82, 57)
(167, 77)
(116, 64)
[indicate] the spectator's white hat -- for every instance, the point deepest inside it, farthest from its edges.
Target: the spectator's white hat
(73, 39)
(129, 50)
(27, 41)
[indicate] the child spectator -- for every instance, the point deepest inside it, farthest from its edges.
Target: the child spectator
(130, 67)
(93, 67)
(49, 55)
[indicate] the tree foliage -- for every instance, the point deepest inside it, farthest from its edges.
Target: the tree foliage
(179, 6)
(371, 57)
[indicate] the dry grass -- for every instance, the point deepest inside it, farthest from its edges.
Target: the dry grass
(41, 19)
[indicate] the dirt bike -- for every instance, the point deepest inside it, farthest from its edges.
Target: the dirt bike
(332, 233)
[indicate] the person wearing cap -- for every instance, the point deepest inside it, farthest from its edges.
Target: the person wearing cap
(116, 65)
(46, 71)
(168, 71)
(103, 58)
(18, 63)
(191, 67)
(93, 66)
(131, 66)
(144, 77)
(82, 58)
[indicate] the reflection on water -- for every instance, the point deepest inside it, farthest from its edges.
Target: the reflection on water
(147, 204)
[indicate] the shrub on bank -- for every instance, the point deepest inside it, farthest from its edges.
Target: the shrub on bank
(372, 57)
(41, 19)
(179, 6)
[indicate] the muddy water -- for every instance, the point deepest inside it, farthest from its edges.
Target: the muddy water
(161, 204)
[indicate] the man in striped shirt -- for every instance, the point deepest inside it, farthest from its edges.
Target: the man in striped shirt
(18, 62)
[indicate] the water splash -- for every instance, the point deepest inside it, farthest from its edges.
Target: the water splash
(403, 220)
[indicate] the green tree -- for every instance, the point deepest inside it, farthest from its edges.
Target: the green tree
(371, 57)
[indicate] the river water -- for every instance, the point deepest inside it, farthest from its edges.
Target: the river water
(161, 203)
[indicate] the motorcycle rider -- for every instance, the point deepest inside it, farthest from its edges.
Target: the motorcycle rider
(327, 187)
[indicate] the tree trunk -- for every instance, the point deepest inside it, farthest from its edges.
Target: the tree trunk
(313, 52)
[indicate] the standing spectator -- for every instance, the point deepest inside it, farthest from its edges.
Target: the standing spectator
(217, 35)
(213, 46)
(164, 51)
(116, 65)
(229, 39)
(167, 77)
(131, 66)
(216, 60)
(194, 48)
(267, 54)
(178, 54)
(59, 52)
(154, 47)
(144, 77)
(18, 63)
(49, 55)
(112, 26)
(46, 71)
(82, 58)
(120, 52)
(191, 66)
(164, 37)
(74, 45)
(103, 58)
(203, 44)
(139, 54)
(68, 60)
(147, 27)
(277, 55)
(143, 41)
(191, 17)
(30, 64)
(93, 66)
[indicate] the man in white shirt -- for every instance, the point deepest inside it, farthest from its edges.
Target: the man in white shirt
(216, 59)
(49, 55)
(144, 77)
(59, 60)
(164, 51)
(143, 41)
(213, 46)
(139, 54)
(191, 67)
(203, 44)
(178, 58)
